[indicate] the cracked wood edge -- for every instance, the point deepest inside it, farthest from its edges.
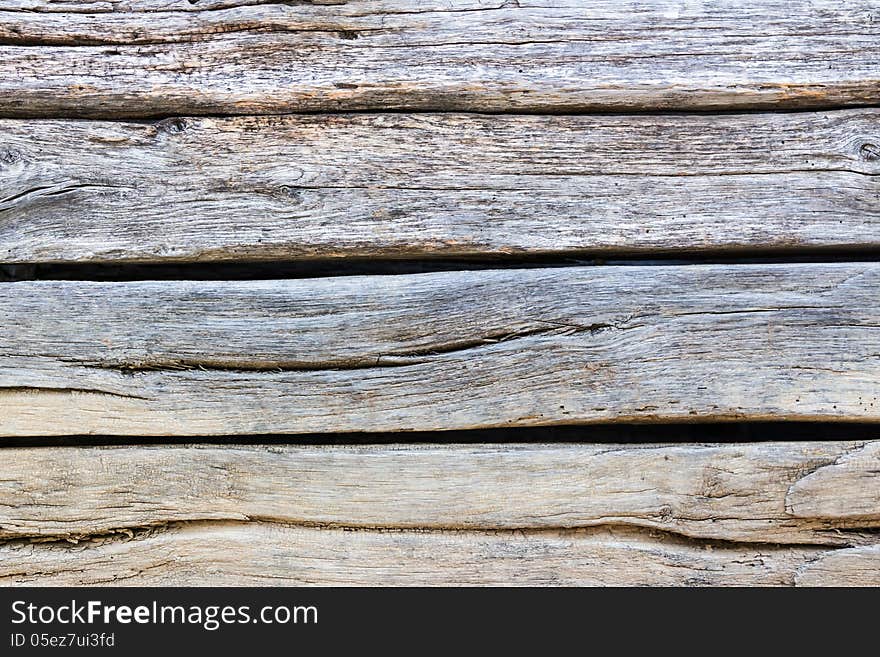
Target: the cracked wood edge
(265, 554)
(398, 185)
(441, 351)
(853, 479)
(724, 492)
(858, 566)
(500, 56)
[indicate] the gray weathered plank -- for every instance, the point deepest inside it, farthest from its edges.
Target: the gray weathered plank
(415, 185)
(147, 58)
(732, 492)
(449, 350)
(260, 554)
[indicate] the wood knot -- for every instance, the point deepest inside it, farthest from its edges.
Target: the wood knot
(171, 126)
(869, 152)
(349, 35)
(9, 156)
(288, 192)
(713, 484)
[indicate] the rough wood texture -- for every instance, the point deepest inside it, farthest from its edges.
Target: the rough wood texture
(454, 515)
(171, 57)
(451, 350)
(853, 478)
(762, 492)
(441, 184)
(258, 554)
(859, 566)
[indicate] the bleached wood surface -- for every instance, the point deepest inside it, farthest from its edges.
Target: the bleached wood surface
(393, 185)
(449, 350)
(782, 492)
(114, 59)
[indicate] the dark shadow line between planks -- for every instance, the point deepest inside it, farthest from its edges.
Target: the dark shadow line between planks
(254, 269)
(768, 107)
(691, 432)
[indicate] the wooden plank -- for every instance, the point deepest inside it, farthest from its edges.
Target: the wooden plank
(426, 185)
(724, 492)
(139, 59)
(259, 554)
(440, 351)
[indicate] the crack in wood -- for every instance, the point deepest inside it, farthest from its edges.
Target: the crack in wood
(16, 201)
(67, 390)
(401, 358)
(129, 533)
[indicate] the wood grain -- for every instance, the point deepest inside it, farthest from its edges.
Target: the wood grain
(723, 492)
(175, 131)
(439, 351)
(103, 59)
(851, 477)
(259, 554)
(426, 185)
(859, 566)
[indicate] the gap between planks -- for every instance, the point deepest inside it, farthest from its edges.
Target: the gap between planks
(328, 268)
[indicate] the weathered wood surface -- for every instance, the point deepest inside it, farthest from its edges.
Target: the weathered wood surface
(260, 554)
(449, 350)
(853, 478)
(114, 59)
(785, 493)
(440, 351)
(859, 566)
(437, 184)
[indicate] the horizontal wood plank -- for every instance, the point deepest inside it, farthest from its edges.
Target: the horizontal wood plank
(440, 351)
(402, 185)
(103, 59)
(760, 492)
(259, 554)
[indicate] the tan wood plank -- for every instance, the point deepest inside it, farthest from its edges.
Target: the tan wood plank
(731, 492)
(261, 554)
